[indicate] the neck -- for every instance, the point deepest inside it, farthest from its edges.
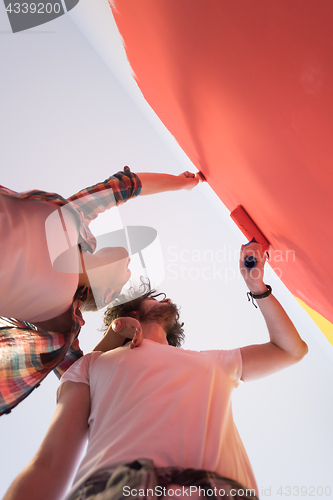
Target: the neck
(59, 324)
(87, 260)
(154, 331)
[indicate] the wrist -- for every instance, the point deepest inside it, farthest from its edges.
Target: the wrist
(261, 295)
(257, 288)
(180, 182)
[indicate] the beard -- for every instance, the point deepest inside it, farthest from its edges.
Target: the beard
(165, 314)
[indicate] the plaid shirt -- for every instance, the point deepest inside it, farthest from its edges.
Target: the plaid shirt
(27, 355)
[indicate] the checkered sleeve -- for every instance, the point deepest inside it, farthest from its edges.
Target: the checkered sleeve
(27, 356)
(114, 191)
(73, 354)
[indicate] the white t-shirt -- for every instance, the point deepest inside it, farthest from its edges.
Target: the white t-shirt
(163, 403)
(31, 289)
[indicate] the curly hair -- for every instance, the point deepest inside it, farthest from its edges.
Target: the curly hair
(125, 305)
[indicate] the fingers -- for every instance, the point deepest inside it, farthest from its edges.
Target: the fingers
(188, 174)
(116, 325)
(190, 180)
(254, 249)
(137, 339)
(252, 263)
(198, 175)
(128, 328)
(253, 276)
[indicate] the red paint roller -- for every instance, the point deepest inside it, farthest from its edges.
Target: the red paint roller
(251, 231)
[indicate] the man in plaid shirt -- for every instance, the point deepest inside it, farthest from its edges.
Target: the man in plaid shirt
(32, 346)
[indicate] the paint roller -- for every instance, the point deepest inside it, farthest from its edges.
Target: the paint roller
(252, 233)
(201, 176)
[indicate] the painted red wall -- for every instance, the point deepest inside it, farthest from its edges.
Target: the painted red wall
(246, 88)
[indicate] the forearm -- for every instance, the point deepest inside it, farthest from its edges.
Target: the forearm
(111, 340)
(285, 347)
(37, 482)
(281, 330)
(119, 330)
(50, 472)
(115, 190)
(153, 183)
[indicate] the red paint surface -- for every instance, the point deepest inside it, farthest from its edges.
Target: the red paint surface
(246, 88)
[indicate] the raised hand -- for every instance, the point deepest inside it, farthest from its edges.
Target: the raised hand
(129, 328)
(190, 180)
(253, 277)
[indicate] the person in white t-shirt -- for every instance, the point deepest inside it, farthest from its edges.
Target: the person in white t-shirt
(158, 418)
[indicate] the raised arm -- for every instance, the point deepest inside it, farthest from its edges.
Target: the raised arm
(124, 185)
(119, 330)
(153, 183)
(49, 473)
(285, 347)
(114, 191)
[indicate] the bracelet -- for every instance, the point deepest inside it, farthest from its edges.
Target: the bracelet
(257, 296)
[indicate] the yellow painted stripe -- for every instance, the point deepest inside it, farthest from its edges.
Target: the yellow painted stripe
(325, 326)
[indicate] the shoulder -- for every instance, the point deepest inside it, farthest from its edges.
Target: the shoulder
(228, 359)
(80, 370)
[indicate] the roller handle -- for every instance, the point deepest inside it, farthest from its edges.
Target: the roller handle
(250, 262)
